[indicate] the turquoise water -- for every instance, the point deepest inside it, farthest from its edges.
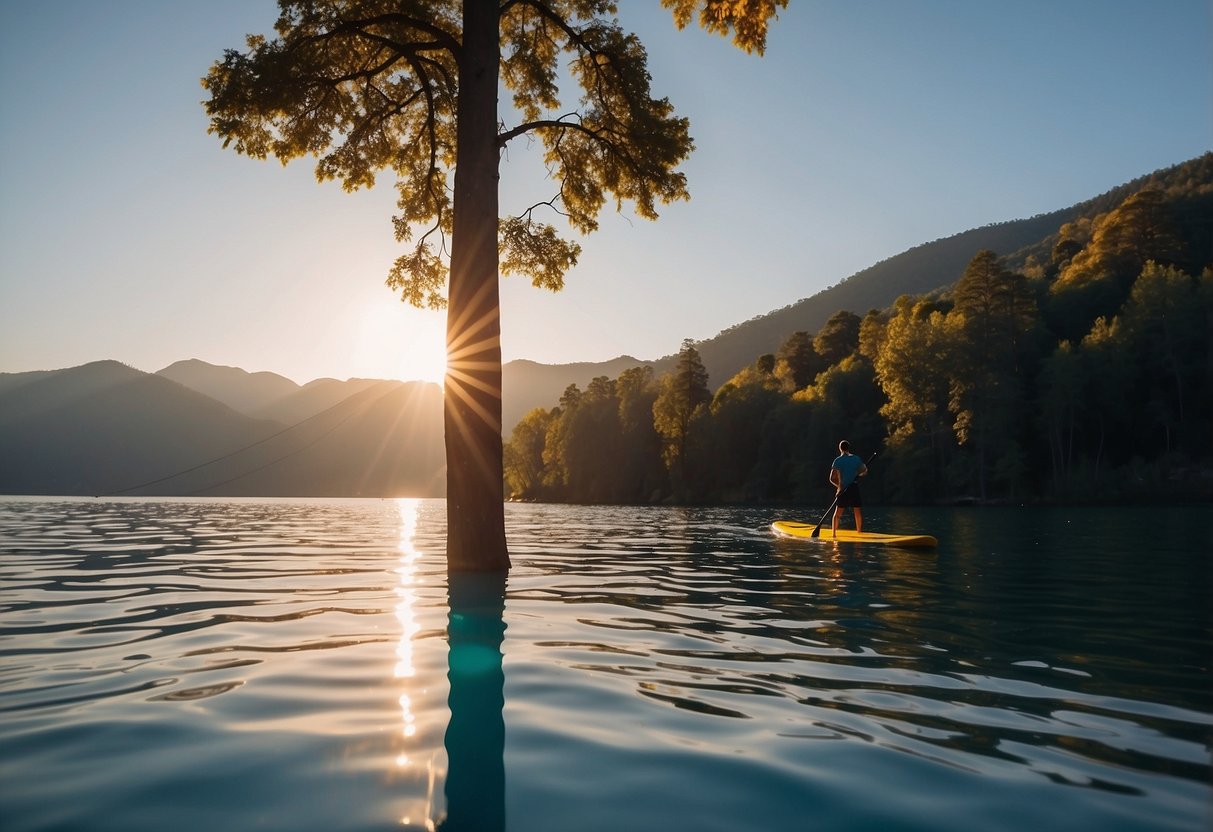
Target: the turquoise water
(258, 664)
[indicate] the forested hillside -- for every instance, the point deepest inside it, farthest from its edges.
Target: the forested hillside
(1077, 367)
(1026, 243)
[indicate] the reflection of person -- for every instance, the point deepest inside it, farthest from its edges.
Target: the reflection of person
(844, 476)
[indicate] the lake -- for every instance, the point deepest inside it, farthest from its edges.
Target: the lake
(186, 664)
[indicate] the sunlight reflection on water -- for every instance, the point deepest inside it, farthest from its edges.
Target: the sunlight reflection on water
(304, 664)
(427, 809)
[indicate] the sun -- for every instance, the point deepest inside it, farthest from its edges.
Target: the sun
(398, 341)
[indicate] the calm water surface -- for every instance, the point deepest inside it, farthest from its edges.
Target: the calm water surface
(254, 664)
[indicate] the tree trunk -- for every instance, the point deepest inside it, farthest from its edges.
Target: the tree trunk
(472, 413)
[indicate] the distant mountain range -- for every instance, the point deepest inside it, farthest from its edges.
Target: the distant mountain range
(196, 428)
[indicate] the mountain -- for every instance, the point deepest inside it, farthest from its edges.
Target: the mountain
(921, 269)
(105, 428)
(194, 427)
(264, 395)
(527, 384)
(925, 268)
(238, 389)
(918, 270)
(11, 381)
(384, 440)
(312, 398)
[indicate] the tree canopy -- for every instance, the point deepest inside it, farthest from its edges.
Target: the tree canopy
(372, 85)
(410, 87)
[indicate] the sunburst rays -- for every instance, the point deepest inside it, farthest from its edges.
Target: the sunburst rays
(473, 378)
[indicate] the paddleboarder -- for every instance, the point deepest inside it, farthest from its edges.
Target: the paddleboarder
(844, 476)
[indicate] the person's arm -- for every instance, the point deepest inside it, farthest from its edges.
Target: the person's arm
(863, 470)
(835, 479)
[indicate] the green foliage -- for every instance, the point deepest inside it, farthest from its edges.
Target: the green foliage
(1097, 278)
(1166, 328)
(838, 338)
(410, 86)
(797, 362)
(527, 248)
(598, 446)
(683, 399)
(1061, 403)
(911, 369)
(640, 459)
(994, 312)
(592, 443)
(524, 465)
(745, 22)
(872, 334)
(969, 394)
(852, 387)
(743, 402)
(365, 86)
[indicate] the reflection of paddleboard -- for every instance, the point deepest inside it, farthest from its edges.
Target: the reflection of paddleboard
(790, 528)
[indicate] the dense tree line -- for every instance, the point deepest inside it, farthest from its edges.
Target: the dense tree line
(1083, 374)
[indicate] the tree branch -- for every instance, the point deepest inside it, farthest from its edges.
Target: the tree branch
(545, 11)
(442, 38)
(522, 129)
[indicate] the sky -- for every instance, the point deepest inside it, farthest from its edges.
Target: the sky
(129, 233)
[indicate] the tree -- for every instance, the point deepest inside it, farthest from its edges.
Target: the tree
(1166, 323)
(684, 396)
(739, 413)
(838, 337)
(556, 472)
(1071, 238)
(640, 462)
(796, 362)
(1096, 280)
(994, 311)
(1062, 392)
(914, 371)
(411, 86)
(524, 454)
(593, 445)
(999, 308)
(851, 388)
(872, 330)
(1108, 370)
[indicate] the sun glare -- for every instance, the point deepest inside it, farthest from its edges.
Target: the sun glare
(419, 768)
(397, 341)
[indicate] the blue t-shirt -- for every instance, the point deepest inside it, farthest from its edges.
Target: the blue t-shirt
(848, 466)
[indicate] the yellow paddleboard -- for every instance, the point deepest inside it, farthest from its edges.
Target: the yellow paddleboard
(791, 528)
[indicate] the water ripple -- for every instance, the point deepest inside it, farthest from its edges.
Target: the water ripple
(987, 666)
(198, 661)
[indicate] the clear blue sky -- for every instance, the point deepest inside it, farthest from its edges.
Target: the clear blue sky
(126, 232)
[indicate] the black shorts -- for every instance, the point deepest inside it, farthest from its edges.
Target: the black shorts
(849, 498)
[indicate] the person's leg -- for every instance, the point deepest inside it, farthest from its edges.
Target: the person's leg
(858, 518)
(837, 516)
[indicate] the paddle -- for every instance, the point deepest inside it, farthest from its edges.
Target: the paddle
(817, 528)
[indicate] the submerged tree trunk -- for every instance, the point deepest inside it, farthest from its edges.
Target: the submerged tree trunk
(472, 414)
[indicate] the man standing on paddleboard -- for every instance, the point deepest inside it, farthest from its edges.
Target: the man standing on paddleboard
(844, 476)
